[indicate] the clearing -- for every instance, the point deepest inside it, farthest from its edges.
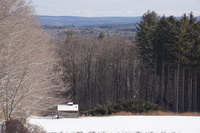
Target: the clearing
(120, 124)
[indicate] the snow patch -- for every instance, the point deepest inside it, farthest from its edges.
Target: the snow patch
(120, 124)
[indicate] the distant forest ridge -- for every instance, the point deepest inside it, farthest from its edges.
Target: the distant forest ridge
(102, 22)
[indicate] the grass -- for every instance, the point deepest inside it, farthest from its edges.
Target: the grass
(157, 113)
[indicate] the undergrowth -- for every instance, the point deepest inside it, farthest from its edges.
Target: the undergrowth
(16, 126)
(133, 106)
(156, 113)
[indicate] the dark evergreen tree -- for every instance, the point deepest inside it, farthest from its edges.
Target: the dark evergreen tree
(171, 48)
(145, 35)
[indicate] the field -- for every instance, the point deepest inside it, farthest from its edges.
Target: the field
(120, 124)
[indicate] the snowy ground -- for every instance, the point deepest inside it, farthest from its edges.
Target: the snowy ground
(120, 124)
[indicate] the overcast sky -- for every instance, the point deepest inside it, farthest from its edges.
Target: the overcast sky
(126, 8)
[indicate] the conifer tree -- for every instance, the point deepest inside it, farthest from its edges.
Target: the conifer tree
(146, 29)
(145, 38)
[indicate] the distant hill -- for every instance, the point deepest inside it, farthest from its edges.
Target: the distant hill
(70, 21)
(101, 22)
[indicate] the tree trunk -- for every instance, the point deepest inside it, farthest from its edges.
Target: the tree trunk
(155, 81)
(195, 94)
(183, 92)
(177, 88)
(162, 83)
(190, 93)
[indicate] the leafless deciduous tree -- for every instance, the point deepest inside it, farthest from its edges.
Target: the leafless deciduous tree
(99, 70)
(25, 62)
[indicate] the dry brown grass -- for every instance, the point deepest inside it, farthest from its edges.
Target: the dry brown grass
(157, 113)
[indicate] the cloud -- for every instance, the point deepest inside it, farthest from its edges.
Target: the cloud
(99, 8)
(90, 13)
(84, 13)
(177, 13)
(78, 11)
(87, 13)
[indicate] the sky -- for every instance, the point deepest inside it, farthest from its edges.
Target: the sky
(122, 8)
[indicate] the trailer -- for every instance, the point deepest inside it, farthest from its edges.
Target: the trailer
(69, 110)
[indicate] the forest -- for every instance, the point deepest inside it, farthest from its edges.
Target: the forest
(38, 70)
(170, 49)
(161, 65)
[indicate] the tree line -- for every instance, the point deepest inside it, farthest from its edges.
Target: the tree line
(170, 49)
(161, 66)
(99, 70)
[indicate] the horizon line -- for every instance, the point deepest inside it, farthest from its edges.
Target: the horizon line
(90, 17)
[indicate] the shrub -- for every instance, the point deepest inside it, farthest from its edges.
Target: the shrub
(100, 111)
(34, 129)
(134, 106)
(16, 126)
(111, 109)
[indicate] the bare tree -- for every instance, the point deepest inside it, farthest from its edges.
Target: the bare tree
(99, 70)
(26, 62)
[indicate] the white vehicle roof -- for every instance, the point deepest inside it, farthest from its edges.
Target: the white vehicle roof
(68, 107)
